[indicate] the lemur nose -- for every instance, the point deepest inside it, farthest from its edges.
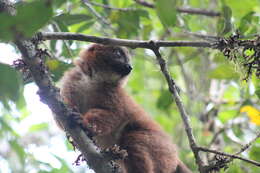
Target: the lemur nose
(129, 67)
(126, 69)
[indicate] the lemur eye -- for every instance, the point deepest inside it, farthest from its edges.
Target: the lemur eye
(119, 52)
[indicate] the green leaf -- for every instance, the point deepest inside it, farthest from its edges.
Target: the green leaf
(53, 45)
(33, 16)
(58, 3)
(128, 22)
(5, 127)
(147, 29)
(240, 9)
(249, 52)
(166, 122)
(231, 94)
(219, 58)
(85, 26)
(227, 115)
(21, 103)
(6, 27)
(29, 19)
(257, 92)
(62, 26)
(10, 84)
(19, 150)
(71, 19)
(255, 152)
(38, 127)
(57, 68)
(224, 24)
(245, 22)
(166, 11)
(165, 100)
(227, 12)
(65, 167)
(224, 71)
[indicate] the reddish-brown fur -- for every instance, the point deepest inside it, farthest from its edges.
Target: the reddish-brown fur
(97, 92)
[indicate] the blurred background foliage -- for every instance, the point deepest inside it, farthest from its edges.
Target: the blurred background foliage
(223, 108)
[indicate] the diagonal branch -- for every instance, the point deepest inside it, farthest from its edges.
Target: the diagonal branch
(100, 18)
(49, 94)
(185, 118)
(175, 95)
(248, 145)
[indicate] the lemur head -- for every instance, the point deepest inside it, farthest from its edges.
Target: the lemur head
(103, 63)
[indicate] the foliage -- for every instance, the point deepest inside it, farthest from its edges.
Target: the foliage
(212, 88)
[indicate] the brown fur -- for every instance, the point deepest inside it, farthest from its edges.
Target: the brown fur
(96, 90)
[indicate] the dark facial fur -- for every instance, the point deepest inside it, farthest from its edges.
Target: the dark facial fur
(105, 59)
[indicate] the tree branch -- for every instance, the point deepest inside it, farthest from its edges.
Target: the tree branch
(246, 146)
(234, 156)
(122, 42)
(228, 46)
(195, 11)
(144, 3)
(175, 95)
(49, 94)
(100, 18)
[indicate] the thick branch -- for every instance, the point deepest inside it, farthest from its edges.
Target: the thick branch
(195, 11)
(122, 42)
(50, 95)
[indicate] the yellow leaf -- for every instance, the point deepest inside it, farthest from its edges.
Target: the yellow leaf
(253, 114)
(52, 64)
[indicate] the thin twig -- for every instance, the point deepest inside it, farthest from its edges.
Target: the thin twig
(110, 7)
(216, 136)
(175, 95)
(224, 128)
(229, 155)
(144, 3)
(65, 42)
(246, 146)
(202, 36)
(101, 19)
(122, 42)
(195, 11)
